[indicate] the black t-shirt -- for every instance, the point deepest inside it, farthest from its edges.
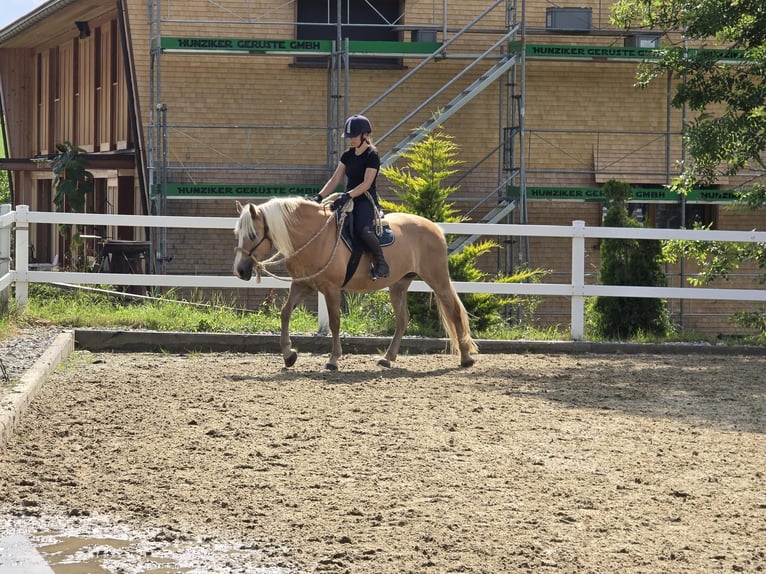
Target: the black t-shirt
(356, 165)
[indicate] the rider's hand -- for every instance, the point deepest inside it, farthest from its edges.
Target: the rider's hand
(318, 198)
(340, 202)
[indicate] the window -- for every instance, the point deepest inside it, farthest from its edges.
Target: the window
(669, 216)
(369, 20)
(638, 211)
(664, 210)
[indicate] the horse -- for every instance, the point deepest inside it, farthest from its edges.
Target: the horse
(306, 236)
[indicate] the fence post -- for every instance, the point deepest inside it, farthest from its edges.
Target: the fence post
(5, 255)
(22, 255)
(578, 280)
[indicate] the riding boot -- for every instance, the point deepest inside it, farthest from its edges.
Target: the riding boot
(379, 265)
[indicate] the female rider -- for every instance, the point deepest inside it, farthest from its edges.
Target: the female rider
(360, 164)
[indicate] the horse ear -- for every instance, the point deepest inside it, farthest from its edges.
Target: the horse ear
(239, 207)
(253, 211)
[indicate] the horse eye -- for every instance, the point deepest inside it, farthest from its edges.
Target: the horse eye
(252, 236)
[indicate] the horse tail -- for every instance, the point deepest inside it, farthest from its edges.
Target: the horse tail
(454, 318)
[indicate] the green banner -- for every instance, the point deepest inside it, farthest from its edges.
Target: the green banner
(245, 45)
(303, 47)
(237, 190)
(534, 193)
(638, 194)
(361, 47)
(568, 52)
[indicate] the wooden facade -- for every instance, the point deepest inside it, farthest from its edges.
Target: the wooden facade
(239, 119)
(64, 82)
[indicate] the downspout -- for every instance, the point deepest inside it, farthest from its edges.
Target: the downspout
(138, 133)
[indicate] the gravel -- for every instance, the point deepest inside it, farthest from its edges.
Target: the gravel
(19, 352)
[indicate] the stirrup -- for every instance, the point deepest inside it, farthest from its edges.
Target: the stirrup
(377, 273)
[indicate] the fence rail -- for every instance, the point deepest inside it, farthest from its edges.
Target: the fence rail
(21, 275)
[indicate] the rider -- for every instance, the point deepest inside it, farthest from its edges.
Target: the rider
(360, 164)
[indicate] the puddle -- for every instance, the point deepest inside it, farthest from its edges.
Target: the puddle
(91, 545)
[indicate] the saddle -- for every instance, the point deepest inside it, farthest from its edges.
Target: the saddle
(386, 238)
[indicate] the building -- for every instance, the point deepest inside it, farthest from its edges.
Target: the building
(184, 106)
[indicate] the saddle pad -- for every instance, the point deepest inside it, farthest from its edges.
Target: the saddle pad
(386, 238)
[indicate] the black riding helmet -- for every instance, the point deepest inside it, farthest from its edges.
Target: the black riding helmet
(356, 125)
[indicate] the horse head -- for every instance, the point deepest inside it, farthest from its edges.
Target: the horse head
(252, 235)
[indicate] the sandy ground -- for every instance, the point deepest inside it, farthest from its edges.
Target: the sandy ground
(542, 463)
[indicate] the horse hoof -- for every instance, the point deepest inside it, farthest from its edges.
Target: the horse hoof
(467, 362)
(384, 363)
(291, 358)
(331, 366)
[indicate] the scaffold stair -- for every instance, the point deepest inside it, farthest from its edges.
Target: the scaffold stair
(486, 79)
(494, 216)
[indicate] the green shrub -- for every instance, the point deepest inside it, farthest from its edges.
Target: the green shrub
(421, 190)
(628, 262)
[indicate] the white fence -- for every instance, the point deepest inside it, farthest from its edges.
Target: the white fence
(21, 275)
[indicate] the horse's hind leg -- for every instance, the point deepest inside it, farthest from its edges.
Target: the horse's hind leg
(455, 321)
(297, 292)
(398, 294)
(332, 298)
(453, 314)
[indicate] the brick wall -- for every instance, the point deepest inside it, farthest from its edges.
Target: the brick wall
(262, 119)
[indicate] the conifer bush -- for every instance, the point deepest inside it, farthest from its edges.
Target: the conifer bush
(421, 190)
(628, 262)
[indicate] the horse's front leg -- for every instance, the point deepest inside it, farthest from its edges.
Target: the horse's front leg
(332, 298)
(297, 292)
(398, 294)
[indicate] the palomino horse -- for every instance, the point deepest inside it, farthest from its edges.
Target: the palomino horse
(305, 235)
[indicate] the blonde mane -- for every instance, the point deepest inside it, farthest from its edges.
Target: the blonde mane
(278, 215)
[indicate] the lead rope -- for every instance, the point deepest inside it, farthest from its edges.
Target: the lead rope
(261, 266)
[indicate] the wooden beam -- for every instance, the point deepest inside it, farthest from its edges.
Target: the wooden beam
(93, 161)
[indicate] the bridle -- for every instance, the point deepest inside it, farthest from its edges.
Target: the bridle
(257, 245)
(261, 266)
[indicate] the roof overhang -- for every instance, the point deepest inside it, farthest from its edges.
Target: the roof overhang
(29, 20)
(45, 23)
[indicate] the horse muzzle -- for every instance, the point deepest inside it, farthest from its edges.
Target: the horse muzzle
(244, 269)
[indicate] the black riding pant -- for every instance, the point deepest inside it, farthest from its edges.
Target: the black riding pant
(364, 214)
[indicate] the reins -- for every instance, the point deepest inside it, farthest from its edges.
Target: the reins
(261, 266)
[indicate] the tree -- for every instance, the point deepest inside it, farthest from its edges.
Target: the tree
(72, 182)
(420, 185)
(728, 98)
(628, 262)
(421, 190)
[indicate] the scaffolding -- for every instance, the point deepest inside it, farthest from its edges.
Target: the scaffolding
(494, 51)
(499, 64)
